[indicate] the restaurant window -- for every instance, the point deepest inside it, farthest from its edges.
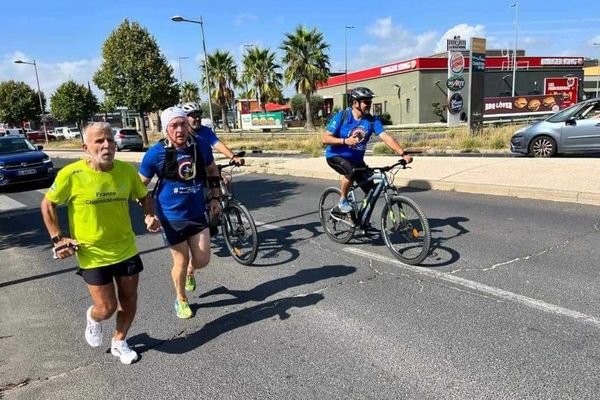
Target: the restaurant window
(377, 109)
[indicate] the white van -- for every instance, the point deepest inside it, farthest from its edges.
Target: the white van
(13, 132)
(67, 132)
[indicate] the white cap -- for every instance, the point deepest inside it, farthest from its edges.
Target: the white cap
(167, 115)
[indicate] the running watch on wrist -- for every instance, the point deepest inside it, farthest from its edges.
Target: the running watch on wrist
(56, 239)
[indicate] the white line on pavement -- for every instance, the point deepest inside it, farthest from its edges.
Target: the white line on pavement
(42, 191)
(260, 224)
(480, 287)
(7, 203)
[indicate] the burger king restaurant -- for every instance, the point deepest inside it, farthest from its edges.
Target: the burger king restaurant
(409, 90)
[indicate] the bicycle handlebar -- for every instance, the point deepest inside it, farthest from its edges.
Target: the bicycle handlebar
(231, 162)
(401, 162)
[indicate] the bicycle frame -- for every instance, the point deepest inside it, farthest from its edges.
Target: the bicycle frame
(362, 216)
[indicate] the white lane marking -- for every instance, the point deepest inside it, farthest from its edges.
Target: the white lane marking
(480, 287)
(42, 191)
(7, 203)
(260, 224)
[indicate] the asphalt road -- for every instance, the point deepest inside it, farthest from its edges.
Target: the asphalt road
(507, 306)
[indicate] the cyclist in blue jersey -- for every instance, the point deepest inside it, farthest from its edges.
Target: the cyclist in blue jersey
(194, 116)
(183, 162)
(346, 138)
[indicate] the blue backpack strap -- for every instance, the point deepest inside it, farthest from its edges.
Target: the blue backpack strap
(344, 115)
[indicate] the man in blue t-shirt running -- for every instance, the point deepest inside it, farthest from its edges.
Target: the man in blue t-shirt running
(347, 142)
(182, 161)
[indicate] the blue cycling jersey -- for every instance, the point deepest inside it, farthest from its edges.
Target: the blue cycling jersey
(348, 128)
(207, 134)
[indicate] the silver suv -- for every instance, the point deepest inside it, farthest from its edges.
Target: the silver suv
(127, 138)
(572, 130)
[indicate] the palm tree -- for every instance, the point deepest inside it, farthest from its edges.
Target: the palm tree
(222, 71)
(189, 92)
(262, 73)
(307, 61)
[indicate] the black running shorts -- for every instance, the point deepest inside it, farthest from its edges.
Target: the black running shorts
(104, 275)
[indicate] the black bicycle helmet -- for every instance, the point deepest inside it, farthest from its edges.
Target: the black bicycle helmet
(361, 93)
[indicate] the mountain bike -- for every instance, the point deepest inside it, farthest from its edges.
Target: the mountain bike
(404, 226)
(236, 222)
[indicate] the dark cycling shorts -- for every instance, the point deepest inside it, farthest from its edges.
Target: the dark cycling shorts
(104, 275)
(346, 167)
(175, 232)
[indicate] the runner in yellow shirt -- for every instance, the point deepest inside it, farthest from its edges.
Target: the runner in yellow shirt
(96, 191)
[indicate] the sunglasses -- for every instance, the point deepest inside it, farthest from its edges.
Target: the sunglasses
(195, 115)
(367, 102)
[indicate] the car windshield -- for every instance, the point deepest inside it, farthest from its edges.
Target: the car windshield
(577, 111)
(129, 132)
(17, 145)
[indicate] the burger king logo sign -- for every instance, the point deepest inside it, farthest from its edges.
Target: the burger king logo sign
(456, 63)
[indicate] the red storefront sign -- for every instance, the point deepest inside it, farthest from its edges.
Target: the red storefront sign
(567, 87)
(521, 105)
(434, 63)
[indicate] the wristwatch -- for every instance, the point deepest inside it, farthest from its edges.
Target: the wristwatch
(57, 238)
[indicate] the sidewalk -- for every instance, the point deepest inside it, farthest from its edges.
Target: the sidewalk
(574, 180)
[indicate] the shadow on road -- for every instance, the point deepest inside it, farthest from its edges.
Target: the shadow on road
(229, 322)
(268, 289)
(264, 193)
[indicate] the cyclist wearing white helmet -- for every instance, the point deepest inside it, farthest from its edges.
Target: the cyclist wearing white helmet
(346, 138)
(194, 115)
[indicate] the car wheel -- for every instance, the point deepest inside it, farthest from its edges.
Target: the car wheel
(542, 146)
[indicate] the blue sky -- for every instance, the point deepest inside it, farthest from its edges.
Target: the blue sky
(65, 36)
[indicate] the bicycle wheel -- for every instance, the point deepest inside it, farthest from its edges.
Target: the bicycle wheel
(239, 231)
(335, 224)
(405, 230)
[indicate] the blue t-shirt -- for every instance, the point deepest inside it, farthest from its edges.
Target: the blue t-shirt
(177, 200)
(351, 127)
(207, 134)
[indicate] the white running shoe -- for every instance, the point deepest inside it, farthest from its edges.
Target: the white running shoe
(93, 330)
(119, 348)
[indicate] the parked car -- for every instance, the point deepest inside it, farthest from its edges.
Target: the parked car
(572, 130)
(67, 132)
(128, 138)
(19, 132)
(38, 136)
(21, 161)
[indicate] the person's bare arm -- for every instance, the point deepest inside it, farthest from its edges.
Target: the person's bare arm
(152, 222)
(220, 146)
(328, 138)
(392, 144)
(51, 221)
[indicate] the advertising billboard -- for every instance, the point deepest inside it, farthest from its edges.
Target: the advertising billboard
(567, 87)
(476, 85)
(521, 105)
(263, 120)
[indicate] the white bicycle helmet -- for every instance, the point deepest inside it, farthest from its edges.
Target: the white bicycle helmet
(190, 107)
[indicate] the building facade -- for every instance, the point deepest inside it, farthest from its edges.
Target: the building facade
(409, 90)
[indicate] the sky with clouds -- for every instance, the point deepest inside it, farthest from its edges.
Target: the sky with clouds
(65, 37)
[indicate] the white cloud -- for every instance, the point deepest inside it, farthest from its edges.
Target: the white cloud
(595, 39)
(382, 28)
(51, 75)
(244, 18)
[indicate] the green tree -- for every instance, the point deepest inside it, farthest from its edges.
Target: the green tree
(261, 71)
(190, 92)
(18, 102)
(298, 105)
(307, 64)
(206, 112)
(73, 102)
(222, 71)
(134, 72)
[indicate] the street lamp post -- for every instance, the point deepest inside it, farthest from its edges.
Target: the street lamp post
(37, 79)
(178, 18)
(400, 100)
(516, 6)
(346, 64)
(597, 73)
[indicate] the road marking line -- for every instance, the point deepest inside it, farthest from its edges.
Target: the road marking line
(260, 224)
(43, 191)
(480, 287)
(7, 203)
